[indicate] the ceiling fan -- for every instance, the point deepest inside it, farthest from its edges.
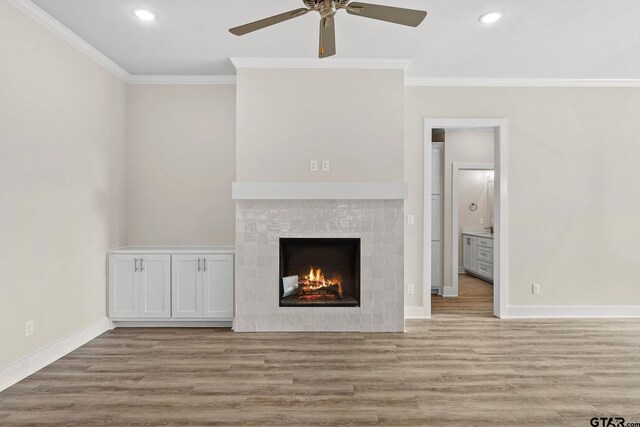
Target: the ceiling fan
(328, 9)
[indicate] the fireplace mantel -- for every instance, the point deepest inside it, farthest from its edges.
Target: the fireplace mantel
(319, 191)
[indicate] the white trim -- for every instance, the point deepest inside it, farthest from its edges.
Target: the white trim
(69, 36)
(181, 80)
(33, 363)
(449, 292)
(412, 312)
(515, 82)
(319, 191)
(379, 64)
(455, 214)
(500, 250)
(173, 250)
(461, 270)
(573, 311)
(175, 323)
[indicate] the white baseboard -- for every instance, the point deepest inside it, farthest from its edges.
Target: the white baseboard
(173, 324)
(449, 292)
(572, 311)
(33, 363)
(460, 270)
(416, 312)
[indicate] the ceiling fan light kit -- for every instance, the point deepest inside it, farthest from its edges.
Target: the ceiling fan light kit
(328, 9)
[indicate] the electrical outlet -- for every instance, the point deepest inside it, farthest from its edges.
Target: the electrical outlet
(326, 166)
(313, 166)
(410, 289)
(535, 289)
(411, 219)
(28, 328)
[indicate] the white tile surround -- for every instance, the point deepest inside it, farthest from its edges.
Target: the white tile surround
(261, 223)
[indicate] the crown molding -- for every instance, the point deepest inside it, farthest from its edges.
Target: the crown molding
(333, 63)
(508, 82)
(181, 80)
(42, 17)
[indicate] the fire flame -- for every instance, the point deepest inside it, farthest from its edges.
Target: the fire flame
(315, 281)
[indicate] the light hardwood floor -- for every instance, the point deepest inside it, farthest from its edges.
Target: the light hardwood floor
(460, 368)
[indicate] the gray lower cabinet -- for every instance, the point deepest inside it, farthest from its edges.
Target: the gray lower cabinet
(140, 286)
(478, 256)
(171, 286)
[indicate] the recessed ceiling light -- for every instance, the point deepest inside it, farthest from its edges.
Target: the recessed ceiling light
(491, 17)
(145, 15)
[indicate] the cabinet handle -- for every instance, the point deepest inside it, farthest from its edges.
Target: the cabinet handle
(204, 264)
(198, 264)
(136, 264)
(141, 264)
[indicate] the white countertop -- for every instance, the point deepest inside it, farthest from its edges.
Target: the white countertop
(477, 234)
(173, 249)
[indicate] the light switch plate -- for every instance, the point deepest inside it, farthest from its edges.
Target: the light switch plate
(410, 289)
(535, 289)
(326, 166)
(411, 219)
(313, 166)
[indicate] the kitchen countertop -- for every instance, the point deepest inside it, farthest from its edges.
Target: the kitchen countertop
(173, 249)
(478, 234)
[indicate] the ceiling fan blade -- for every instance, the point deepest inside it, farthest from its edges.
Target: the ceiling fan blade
(267, 22)
(327, 37)
(396, 15)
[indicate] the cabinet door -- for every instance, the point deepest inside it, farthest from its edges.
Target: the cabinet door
(436, 167)
(436, 265)
(155, 286)
(470, 253)
(186, 289)
(124, 302)
(217, 286)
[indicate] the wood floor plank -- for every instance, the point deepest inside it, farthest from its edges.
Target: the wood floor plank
(463, 367)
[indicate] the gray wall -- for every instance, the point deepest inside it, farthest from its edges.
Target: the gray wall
(286, 117)
(573, 182)
(63, 187)
(181, 165)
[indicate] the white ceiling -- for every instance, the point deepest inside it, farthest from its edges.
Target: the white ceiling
(541, 39)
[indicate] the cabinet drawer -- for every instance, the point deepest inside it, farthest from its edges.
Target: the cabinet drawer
(487, 243)
(485, 269)
(485, 254)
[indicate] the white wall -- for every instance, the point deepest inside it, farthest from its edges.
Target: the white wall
(472, 188)
(181, 165)
(62, 185)
(287, 117)
(573, 178)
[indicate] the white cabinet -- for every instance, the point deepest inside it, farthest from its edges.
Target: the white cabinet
(436, 261)
(147, 284)
(139, 286)
(201, 286)
(470, 253)
(478, 256)
(187, 286)
(217, 295)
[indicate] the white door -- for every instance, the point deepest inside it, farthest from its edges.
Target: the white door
(124, 302)
(217, 287)
(470, 253)
(186, 290)
(155, 286)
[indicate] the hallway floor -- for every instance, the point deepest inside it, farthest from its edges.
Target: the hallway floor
(475, 299)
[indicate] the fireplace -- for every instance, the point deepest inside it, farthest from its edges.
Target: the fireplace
(319, 272)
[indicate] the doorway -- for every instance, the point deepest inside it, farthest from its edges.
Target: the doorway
(499, 129)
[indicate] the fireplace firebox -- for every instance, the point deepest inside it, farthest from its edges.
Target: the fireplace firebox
(319, 272)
